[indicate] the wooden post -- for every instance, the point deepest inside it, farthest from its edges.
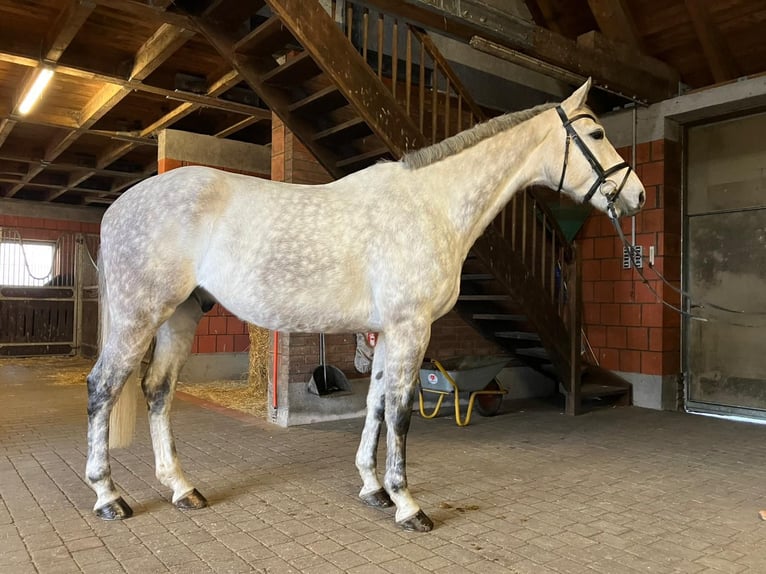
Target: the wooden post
(574, 399)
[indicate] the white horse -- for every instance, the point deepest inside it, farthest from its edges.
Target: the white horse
(178, 241)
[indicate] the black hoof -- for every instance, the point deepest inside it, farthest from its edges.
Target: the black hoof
(192, 501)
(418, 523)
(115, 510)
(377, 499)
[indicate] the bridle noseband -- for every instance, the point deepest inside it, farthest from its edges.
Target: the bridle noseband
(603, 175)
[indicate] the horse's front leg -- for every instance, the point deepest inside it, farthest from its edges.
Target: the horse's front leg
(404, 356)
(373, 493)
(173, 343)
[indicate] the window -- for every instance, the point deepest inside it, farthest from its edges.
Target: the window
(26, 264)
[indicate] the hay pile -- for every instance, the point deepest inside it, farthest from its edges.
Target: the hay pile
(246, 395)
(54, 370)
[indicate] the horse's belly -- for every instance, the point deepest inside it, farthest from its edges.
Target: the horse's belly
(296, 308)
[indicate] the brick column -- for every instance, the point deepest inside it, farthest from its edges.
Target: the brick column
(629, 330)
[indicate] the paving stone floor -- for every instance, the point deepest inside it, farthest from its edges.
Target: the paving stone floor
(620, 490)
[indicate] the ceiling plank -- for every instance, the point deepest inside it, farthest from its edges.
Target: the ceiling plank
(615, 22)
(719, 58)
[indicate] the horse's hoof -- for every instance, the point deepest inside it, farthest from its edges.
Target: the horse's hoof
(418, 523)
(192, 501)
(377, 499)
(115, 510)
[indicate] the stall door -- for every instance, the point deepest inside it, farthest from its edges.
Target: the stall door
(725, 256)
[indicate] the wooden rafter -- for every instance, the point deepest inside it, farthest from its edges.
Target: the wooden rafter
(615, 22)
(719, 58)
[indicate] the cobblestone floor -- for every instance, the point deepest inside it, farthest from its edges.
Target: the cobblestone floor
(620, 490)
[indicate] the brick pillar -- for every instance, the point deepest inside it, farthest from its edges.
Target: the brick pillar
(629, 330)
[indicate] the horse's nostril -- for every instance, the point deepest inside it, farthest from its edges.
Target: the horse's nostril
(641, 199)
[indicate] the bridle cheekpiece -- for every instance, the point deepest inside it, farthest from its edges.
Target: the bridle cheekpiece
(603, 174)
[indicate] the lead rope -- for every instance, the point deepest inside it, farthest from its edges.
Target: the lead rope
(700, 304)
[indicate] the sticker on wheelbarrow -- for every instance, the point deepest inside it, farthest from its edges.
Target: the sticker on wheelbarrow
(432, 378)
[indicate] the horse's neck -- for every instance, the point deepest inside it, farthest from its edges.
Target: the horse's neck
(474, 185)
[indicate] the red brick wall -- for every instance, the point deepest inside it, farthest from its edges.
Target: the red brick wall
(629, 330)
(218, 331)
(46, 229)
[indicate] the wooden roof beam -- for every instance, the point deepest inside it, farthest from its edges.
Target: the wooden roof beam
(719, 58)
(63, 31)
(472, 18)
(616, 23)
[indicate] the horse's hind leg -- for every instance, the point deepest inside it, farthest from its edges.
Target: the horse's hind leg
(173, 343)
(119, 357)
(373, 493)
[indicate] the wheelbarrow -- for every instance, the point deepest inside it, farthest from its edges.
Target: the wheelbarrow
(473, 375)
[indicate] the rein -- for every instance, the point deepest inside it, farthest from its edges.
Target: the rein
(700, 304)
(603, 174)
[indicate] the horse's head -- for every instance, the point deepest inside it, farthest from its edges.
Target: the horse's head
(591, 169)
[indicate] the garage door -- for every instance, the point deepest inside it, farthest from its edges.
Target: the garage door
(725, 255)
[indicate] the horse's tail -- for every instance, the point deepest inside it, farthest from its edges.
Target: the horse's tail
(122, 420)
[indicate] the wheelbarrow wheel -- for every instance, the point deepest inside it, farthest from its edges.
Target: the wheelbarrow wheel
(489, 405)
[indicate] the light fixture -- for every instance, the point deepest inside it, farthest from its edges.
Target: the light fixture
(35, 91)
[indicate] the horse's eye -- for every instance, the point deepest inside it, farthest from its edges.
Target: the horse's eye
(597, 135)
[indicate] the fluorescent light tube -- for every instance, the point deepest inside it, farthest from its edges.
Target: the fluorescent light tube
(34, 92)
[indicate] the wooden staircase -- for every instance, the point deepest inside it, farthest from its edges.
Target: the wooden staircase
(356, 87)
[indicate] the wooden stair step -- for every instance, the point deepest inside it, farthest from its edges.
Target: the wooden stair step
(350, 129)
(363, 158)
(476, 277)
(483, 298)
(534, 353)
(266, 38)
(499, 317)
(517, 335)
(321, 101)
(293, 72)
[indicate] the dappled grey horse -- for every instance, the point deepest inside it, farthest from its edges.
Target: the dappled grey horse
(177, 241)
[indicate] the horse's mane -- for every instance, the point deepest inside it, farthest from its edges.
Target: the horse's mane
(470, 137)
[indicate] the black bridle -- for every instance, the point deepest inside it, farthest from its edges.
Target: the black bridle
(603, 174)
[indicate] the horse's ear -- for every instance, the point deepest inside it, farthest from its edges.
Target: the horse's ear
(578, 98)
